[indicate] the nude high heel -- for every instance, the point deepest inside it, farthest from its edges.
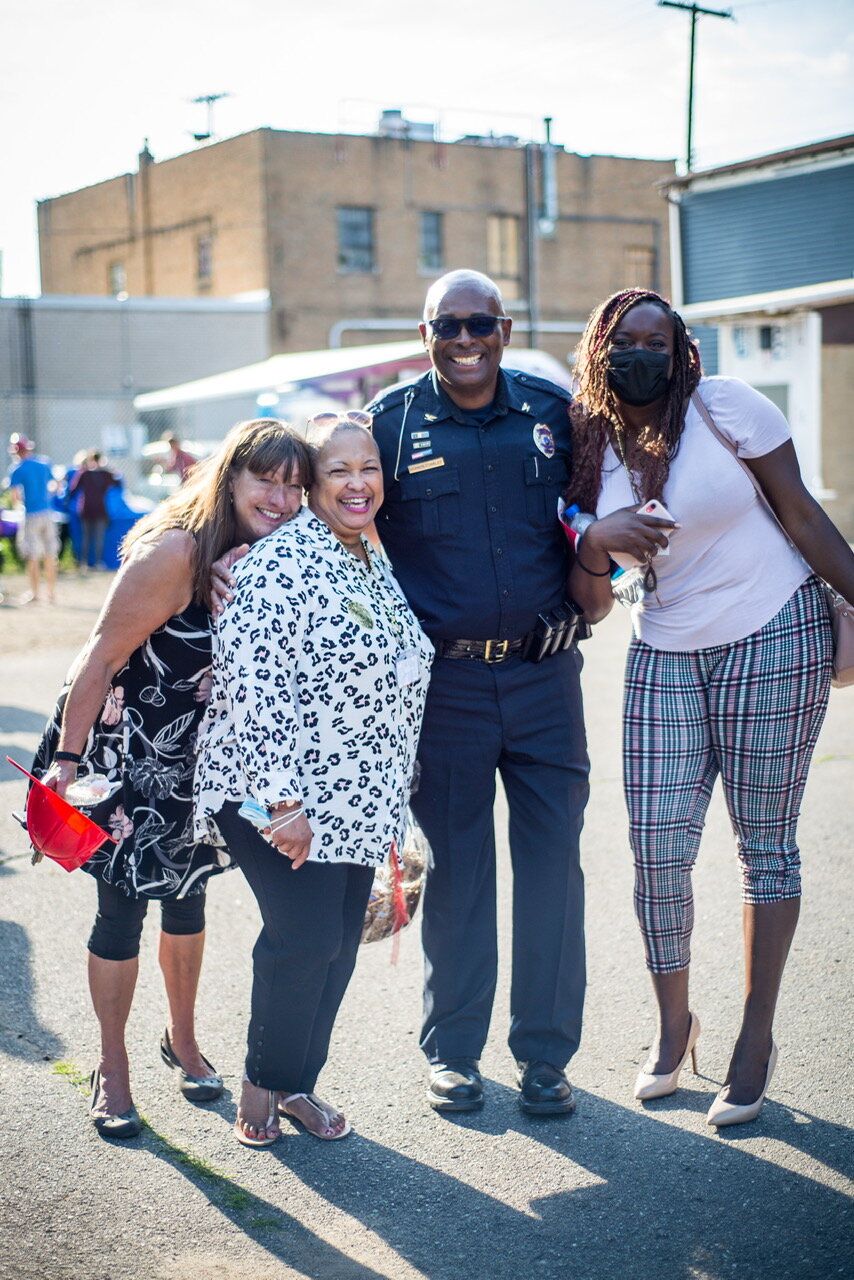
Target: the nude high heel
(721, 1113)
(649, 1086)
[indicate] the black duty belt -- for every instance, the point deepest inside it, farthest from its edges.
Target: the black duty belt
(554, 632)
(486, 650)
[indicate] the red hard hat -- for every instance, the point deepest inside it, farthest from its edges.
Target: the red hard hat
(57, 829)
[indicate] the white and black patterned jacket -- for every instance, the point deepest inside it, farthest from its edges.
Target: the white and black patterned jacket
(306, 702)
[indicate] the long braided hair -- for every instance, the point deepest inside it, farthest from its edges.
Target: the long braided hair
(595, 411)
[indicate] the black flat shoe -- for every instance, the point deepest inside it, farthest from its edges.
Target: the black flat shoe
(127, 1125)
(544, 1089)
(455, 1085)
(194, 1088)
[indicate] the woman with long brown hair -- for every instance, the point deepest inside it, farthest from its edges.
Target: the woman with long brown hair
(130, 714)
(729, 667)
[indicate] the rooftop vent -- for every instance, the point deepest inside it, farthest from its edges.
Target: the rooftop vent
(393, 124)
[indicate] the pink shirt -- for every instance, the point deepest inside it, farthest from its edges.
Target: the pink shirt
(730, 569)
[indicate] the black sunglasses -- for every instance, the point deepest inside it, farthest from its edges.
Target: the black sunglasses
(476, 326)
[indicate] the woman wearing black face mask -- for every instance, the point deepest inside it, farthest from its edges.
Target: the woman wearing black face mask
(729, 667)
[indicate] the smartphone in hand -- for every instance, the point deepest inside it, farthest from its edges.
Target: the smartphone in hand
(653, 508)
(658, 509)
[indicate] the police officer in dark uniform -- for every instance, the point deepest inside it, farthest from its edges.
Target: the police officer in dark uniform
(474, 459)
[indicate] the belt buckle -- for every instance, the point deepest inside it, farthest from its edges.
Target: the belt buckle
(495, 650)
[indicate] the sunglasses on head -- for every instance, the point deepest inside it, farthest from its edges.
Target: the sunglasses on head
(351, 417)
(479, 326)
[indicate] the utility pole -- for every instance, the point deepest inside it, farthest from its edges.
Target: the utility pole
(693, 9)
(208, 99)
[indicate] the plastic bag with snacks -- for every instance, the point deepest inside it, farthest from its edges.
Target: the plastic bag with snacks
(397, 886)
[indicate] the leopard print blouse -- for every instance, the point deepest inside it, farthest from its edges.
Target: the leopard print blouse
(319, 679)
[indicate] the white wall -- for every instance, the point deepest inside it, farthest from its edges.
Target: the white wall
(793, 362)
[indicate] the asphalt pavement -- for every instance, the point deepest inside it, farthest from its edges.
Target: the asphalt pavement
(617, 1191)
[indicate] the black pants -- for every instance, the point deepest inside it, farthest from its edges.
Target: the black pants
(306, 951)
(524, 722)
(93, 542)
(117, 929)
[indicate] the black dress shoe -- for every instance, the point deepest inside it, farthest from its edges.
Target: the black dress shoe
(455, 1085)
(545, 1089)
(194, 1088)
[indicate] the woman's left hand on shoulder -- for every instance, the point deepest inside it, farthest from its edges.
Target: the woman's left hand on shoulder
(222, 580)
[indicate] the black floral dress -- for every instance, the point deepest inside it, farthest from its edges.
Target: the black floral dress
(145, 741)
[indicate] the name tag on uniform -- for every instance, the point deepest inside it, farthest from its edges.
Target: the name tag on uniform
(426, 466)
(408, 666)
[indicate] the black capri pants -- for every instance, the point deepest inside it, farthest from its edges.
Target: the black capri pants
(312, 924)
(117, 929)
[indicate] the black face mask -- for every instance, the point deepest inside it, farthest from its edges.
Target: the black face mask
(638, 377)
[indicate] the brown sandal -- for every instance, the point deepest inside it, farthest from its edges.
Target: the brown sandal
(321, 1121)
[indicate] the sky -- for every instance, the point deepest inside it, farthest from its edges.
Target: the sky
(83, 84)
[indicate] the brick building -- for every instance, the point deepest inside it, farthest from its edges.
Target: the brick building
(346, 232)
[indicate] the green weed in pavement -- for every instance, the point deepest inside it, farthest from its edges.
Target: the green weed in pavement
(222, 1191)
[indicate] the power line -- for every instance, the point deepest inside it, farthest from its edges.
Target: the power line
(693, 9)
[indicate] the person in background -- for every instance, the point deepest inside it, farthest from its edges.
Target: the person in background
(38, 541)
(179, 462)
(729, 668)
(320, 673)
(90, 486)
(130, 714)
(474, 460)
(72, 529)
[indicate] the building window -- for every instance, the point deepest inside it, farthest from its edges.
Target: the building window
(430, 250)
(355, 239)
(639, 267)
(502, 251)
(117, 278)
(204, 259)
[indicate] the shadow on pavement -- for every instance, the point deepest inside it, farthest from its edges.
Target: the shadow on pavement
(24, 1035)
(662, 1201)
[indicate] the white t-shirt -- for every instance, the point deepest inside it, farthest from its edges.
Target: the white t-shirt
(730, 569)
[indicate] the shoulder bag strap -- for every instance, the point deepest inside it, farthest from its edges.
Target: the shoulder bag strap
(730, 448)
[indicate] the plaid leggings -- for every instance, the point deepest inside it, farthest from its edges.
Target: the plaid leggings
(751, 711)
